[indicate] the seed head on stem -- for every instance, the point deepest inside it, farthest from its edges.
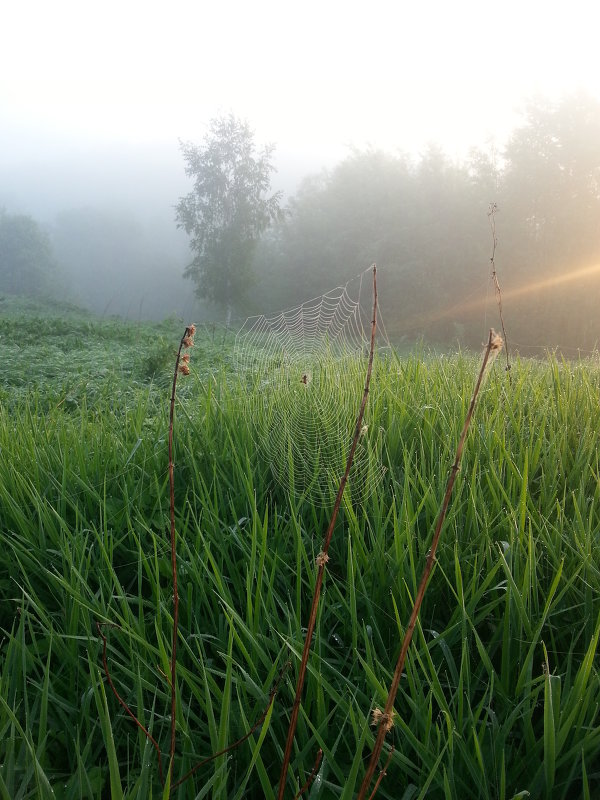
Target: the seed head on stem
(383, 719)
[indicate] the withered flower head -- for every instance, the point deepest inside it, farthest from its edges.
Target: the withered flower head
(496, 340)
(184, 369)
(188, 341)
(378, 717)
(191, 329)
(321, 559)
(185, 357)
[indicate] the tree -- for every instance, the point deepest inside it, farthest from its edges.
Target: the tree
(424, 223)
(550, 201)
(227, 210)
(552, 181)
(26, 261)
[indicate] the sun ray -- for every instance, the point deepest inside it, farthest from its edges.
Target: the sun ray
(463, 307)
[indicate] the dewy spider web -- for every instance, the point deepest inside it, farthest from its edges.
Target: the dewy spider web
(304, 373)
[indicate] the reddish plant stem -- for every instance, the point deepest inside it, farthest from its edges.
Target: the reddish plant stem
(382, 774)
(311, 777)
(122, 702)
(185, 339)
(256, 725)
(492, 219)
(494, 344)
(323, 556)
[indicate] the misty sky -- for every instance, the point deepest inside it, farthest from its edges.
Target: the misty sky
(98, 92)
(312, 77)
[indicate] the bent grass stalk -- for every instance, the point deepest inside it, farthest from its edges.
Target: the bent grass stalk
(385, 719)
(181, 367)
(323, 556)
(311, 777)
(187, 340)
(242, 739)
(122, 703)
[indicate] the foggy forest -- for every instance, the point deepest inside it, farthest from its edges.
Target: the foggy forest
(425, 219)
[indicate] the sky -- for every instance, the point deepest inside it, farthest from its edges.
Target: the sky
(107, 90)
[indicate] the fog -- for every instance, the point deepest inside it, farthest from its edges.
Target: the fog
(92, 109)
(116, 204)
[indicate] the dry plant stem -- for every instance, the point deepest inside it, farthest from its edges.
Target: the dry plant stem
(492, 219)
(493, 345)
(323, 559)
(256, 725)
(382, 774)
(311, 777)
(188, 333)
(122, 702)
(185, 341)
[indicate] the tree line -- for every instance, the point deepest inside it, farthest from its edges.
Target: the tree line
(432, 224)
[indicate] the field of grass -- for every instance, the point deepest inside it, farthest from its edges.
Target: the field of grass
(501, 693)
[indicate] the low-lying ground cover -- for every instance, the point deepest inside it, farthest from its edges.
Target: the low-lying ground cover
(501, 690)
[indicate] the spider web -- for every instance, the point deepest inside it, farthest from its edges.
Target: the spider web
(304, 372)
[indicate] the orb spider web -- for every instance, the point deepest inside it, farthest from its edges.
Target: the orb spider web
(304, 372)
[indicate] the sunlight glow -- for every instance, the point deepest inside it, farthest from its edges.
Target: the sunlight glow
(458, 309)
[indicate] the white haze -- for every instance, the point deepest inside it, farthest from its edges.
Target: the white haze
(95, 97)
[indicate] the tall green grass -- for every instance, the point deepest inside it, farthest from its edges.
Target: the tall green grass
(501, 690)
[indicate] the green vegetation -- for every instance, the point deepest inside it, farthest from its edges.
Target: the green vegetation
(424, 220)
(501, 692)
(26, 261)
(227, 210)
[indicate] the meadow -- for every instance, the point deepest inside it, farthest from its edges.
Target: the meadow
(500, 696)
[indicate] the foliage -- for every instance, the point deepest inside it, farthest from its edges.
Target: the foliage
(26, 260)
(65, 356)
(552, 178)
(424, 222)
(502, 687)
(228, 208)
